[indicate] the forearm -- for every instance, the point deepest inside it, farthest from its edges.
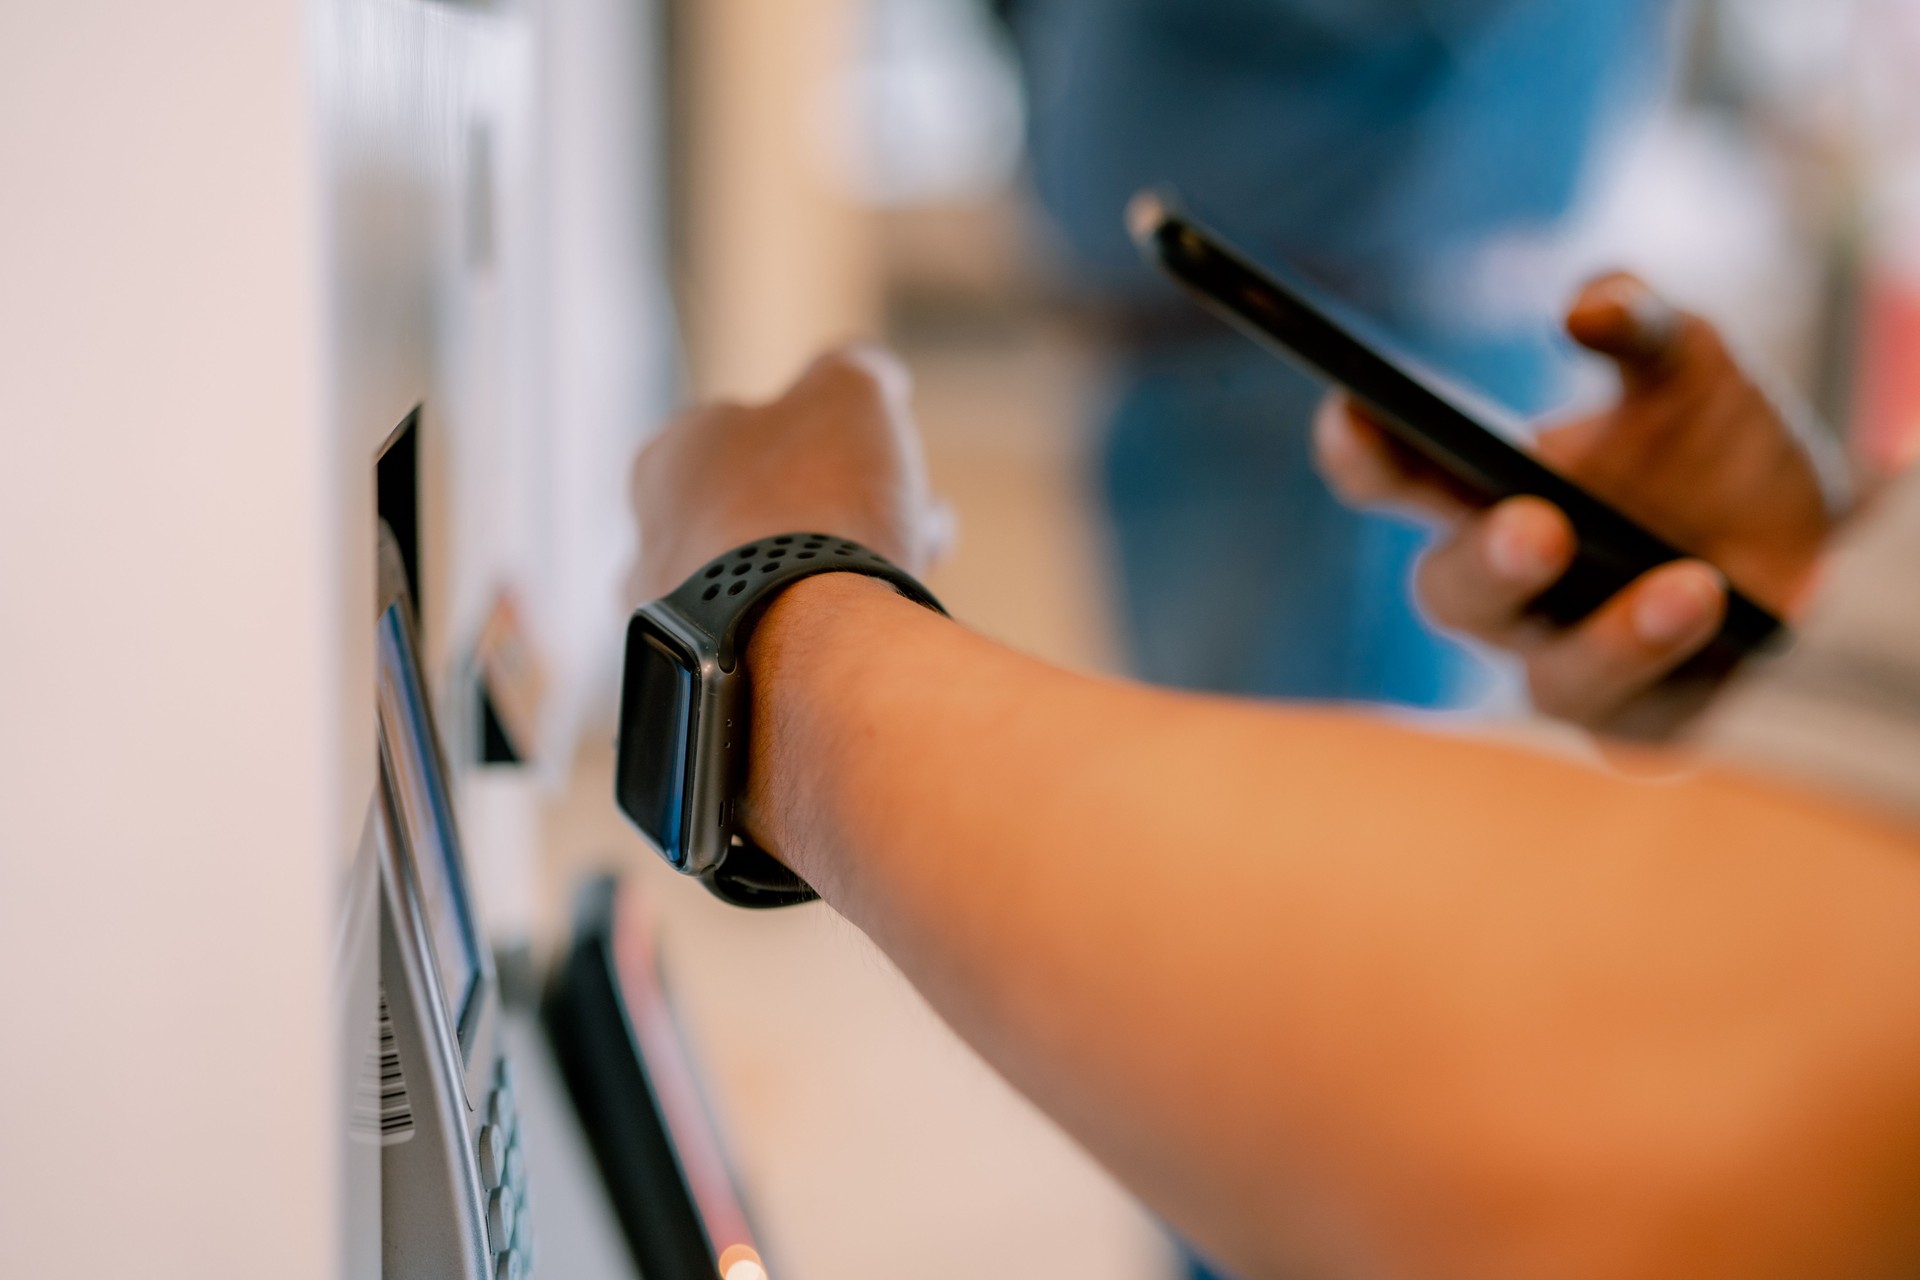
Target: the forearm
(1305, 978)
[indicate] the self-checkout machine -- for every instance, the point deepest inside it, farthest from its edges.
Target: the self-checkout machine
(324, 324)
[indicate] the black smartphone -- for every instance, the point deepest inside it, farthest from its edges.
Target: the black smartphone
(1470, 443)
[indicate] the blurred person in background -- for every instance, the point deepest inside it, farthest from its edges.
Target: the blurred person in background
(1381, 147)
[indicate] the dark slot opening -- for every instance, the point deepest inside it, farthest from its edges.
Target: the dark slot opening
(396, 477)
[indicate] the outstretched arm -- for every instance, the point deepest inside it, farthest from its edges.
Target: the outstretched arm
(1324, 989)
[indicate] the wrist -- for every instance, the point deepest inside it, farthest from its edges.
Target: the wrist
(686, 739)
(799, 667)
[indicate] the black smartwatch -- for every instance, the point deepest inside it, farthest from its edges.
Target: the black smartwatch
(683, 709)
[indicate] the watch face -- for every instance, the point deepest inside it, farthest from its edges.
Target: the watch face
(656, 737)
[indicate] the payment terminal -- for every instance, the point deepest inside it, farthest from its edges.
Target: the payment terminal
(483, 1090)
(454, 1190)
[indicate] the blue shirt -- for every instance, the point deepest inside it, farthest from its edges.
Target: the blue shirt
(1353, 138)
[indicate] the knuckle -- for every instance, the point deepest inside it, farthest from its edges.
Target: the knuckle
(840, 362)
(859, 368)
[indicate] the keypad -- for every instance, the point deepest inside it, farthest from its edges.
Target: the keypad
(492, 1150)
(503, 1177)
(500, 1219)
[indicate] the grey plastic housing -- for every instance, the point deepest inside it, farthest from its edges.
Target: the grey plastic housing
(433, 1205)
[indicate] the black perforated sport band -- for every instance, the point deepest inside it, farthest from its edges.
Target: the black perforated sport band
(728, 595)
(726, 599)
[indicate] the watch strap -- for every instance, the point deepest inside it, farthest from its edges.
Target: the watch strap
(726, 598)
(728, 595)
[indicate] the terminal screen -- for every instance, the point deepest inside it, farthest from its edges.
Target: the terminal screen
(425, 815)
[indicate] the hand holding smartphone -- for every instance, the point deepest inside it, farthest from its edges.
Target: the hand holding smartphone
(1471, 443)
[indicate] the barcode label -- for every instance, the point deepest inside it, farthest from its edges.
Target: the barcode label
(382, 1112)
(396, 1110)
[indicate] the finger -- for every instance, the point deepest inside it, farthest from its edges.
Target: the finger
(1481, 581)
(1564, 445)
(872, 367)
(1365, 468)
(1619, 317)
(886, 368)
(1586, 674)
(1652, 342)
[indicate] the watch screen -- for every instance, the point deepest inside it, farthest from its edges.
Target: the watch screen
(656, 719)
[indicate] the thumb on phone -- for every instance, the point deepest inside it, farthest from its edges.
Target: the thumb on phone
(1620, 317)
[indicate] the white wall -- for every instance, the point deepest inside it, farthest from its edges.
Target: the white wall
(236, 249)
(172, 734)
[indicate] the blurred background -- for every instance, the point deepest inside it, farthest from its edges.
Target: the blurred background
(1131, 482)
(251, 246)
(273, 272)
